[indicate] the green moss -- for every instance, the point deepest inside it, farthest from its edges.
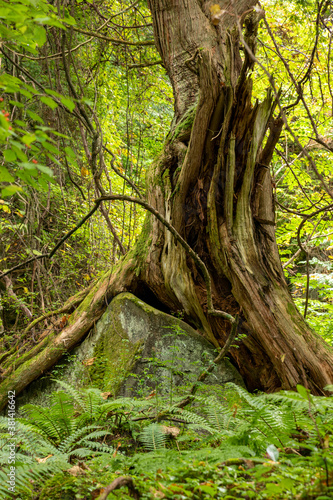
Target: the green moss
(292, 311)
(175, 191)
(115, 354)
(185, 124)
(142, 246)
(62, 487)
(98, 369)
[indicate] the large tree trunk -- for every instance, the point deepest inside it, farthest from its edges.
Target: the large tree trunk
(212, 183)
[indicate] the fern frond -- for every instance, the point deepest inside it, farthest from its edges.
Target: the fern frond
(96, 446)
(75, 393)
(153, 437)
(68, 443)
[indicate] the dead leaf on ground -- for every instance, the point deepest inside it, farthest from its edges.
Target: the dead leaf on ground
(106, 395)
(170, 431)
(88, 362)
(43, 460)
(151, 395)
(76, 471)
(116, 450)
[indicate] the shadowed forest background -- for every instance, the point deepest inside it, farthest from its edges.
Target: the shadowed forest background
(97, 102)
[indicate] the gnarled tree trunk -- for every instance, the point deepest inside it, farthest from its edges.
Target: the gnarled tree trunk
(213, 184)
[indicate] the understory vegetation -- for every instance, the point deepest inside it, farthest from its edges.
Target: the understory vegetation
(226, 444)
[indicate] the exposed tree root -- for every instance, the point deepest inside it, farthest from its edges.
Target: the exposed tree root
(71, 303)
(23, 370)
(119, 483)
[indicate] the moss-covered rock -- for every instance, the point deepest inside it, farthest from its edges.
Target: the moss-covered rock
(147, 349)
(134, 349)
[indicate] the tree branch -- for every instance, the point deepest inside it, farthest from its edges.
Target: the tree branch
(113, 40)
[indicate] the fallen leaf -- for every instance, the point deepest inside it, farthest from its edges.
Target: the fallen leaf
(151, 395)
(43, 460)
(170, 431)
(106, 395)
(88, 362)
(76, 471)
(116, 450)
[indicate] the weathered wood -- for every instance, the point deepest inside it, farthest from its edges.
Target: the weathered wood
(221, 198)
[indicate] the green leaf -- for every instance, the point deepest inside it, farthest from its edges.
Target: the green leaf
(69, 152)
(16, 103)
(20, 123)
(273, 452)
(87, 101)
(49, 102)
(5, 176)
(31, 167)
(9, 155)
(303, 392)
(10, 190)
(54, 93)
(34, 116)
(45, 170)
(28, 139)
(58, 134)
(68, 103)
(52, 149)
(25, 93)
(69, 20)
(18, 150)
(39, 35)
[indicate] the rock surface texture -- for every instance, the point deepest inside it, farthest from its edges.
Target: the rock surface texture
(159, 350)
(134, 350)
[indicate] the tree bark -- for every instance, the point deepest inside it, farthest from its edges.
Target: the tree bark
(212, 183)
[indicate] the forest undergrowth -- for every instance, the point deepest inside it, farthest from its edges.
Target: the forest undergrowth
(227, 443)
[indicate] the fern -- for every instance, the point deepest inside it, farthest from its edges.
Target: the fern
(153, 437)
(55, 422)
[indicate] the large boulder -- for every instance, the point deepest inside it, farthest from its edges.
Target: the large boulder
(145, 349)
(133, 350)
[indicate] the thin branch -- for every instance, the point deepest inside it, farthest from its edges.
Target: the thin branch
(123, 176)
(113, 40)
(295, 176)
(72, 88)
(201, 265)
(57, 55)
(307, 285)
(305, 219)
(114, 197)
(145, 64)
